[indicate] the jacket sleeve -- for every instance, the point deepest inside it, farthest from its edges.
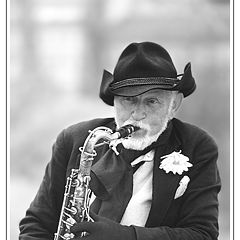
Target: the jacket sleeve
(41, 219)
(197, 218)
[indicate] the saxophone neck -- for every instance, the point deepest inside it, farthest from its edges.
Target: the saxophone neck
(104, 133)
(94, 136)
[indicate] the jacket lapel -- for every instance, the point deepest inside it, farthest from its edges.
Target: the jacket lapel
(164, 184)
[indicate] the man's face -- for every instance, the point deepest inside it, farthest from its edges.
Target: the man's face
(150, 111)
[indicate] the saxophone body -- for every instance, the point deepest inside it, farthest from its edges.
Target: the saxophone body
(75, 207)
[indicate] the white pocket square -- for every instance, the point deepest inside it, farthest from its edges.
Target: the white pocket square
(182, 187)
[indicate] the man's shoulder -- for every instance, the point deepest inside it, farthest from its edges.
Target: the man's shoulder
(187, 127)
(80, 130)
(90, 123)
(190, 132)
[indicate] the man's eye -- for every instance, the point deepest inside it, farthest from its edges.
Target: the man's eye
(153, 101)
(128, 99)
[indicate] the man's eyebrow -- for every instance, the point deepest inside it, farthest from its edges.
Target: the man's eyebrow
(153, 95)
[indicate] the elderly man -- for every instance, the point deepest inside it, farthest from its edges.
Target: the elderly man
(159, 183)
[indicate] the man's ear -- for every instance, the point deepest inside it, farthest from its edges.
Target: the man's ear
(177, 102)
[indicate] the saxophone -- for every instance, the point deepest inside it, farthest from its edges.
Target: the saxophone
(75, 207)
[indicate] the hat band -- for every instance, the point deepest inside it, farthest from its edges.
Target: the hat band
(144, 81)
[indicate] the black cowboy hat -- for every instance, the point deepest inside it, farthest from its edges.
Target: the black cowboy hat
(142, 67)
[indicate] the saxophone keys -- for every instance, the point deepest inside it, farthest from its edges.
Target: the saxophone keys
(68, 236)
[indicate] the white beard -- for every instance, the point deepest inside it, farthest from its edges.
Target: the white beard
(143, 142)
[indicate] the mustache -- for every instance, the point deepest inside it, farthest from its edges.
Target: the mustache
(139, 124)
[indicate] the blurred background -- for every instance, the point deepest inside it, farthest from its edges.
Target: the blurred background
(58, 50)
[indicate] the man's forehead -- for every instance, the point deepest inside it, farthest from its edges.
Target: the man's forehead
(157, 92)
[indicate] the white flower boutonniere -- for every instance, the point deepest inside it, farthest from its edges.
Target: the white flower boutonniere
(175, 162)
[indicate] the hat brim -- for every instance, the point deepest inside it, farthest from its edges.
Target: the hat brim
(131, 91)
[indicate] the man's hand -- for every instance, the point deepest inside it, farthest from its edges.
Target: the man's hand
(103, 229)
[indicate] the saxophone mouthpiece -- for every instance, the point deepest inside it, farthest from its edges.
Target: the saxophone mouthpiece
(126, 130)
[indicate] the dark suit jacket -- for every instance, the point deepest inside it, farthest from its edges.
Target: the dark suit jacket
(191, 216)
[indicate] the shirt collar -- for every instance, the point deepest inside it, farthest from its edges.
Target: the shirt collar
(148, 157)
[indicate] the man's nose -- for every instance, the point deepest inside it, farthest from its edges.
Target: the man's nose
(138, 113)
